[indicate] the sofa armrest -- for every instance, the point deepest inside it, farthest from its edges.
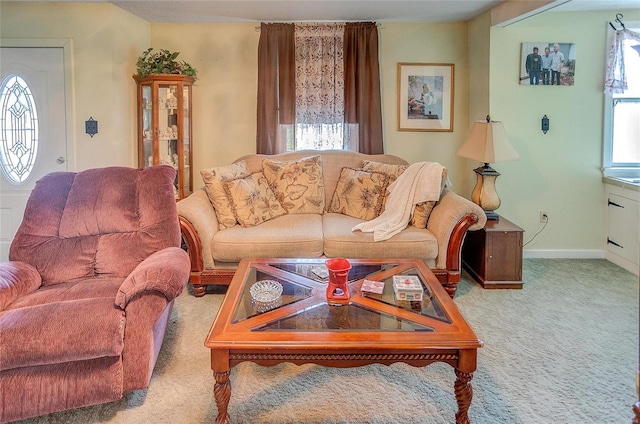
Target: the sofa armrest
(449, 221)
(198, 223)
(16, 280)
(165, 272)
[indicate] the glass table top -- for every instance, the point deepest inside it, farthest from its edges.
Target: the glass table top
(303, 305)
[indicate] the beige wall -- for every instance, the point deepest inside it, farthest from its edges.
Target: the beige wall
(105, 44)
(425, 43)
(479, 65)
(479, 91)
(225, 96)
(558, 172)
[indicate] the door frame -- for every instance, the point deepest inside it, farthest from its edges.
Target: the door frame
(67, 48)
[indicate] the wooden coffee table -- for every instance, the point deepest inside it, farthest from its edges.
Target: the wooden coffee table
(301, 327)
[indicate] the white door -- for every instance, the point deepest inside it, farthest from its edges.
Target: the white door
(42, 70)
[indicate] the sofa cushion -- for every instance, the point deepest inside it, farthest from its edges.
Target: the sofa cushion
(360, 193)
(252, 200)
(297, 184)
(214, 179)
(58, 332)
(340, 241)
(291, 235)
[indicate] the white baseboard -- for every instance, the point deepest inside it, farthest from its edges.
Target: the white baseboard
(564, 254)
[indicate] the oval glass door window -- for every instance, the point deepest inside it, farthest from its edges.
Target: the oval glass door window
(18, 129)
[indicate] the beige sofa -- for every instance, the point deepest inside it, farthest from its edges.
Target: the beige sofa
(215, 249)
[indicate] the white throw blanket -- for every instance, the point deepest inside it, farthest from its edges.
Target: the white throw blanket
(420, 182)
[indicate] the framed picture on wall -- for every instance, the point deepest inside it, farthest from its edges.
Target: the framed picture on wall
(425, 97)
(547, 63)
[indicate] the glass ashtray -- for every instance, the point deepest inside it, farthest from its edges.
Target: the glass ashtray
(266, 291)
(262, 307)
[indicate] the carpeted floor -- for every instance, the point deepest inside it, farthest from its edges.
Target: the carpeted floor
(562, 350)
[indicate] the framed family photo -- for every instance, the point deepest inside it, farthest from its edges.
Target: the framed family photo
(425, 96)
(547, 63)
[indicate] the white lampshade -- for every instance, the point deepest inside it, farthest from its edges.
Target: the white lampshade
(488, 143)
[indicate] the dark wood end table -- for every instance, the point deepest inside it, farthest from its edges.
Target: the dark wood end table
(493, 255)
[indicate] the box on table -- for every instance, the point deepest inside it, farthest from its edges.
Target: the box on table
(370, 286)
(407, 287)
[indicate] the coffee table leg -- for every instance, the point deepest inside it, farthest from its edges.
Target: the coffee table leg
(222, 394)
(464, 394)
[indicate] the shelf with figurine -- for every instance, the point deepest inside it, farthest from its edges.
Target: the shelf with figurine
(164, 128)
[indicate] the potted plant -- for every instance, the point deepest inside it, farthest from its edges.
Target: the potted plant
(163, 62)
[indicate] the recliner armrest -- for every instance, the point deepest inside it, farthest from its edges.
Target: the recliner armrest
(165, 272)
(17, 279)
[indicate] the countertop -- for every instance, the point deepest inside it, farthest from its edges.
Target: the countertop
(628, 183)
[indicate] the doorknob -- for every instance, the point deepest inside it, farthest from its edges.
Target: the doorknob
(60, 160)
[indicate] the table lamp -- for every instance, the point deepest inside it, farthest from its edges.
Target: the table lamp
(487, 143)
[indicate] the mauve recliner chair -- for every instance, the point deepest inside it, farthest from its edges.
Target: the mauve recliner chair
(88, 290)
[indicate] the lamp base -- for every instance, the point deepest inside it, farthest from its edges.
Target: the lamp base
(484, 193)
(492, 216)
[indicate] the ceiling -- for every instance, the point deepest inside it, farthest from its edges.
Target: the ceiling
(205, 11)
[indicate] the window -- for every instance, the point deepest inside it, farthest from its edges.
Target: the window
(18, 129)
(319, 87)
(339, 136)
(319, 82)
(621, 148)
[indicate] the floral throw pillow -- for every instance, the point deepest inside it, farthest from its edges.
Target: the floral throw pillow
(252, 200)
(393, 171)
(297, 184)
(422, 210)
(214, 178)
(359, 193)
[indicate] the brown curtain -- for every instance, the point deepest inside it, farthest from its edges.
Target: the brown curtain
(276, 84)
(362, 102)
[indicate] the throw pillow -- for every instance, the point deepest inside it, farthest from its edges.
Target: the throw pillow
(297, 184)
(252, 200)
(214, 178)
(422, 210)
(393, 171)
(359, 193)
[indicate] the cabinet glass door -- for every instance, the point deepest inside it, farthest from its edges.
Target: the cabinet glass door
(168, 125)
(186, 141)
(164, 120)
(147, 125)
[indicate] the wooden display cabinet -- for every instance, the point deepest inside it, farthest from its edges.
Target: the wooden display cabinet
(493, 255)
(164, 126)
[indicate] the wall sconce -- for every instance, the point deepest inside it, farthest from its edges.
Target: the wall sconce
(545, 124)
(91, 126)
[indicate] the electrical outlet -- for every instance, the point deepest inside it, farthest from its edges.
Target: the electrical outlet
(544, 216)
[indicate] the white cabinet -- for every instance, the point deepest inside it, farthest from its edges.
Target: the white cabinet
(622, 215)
